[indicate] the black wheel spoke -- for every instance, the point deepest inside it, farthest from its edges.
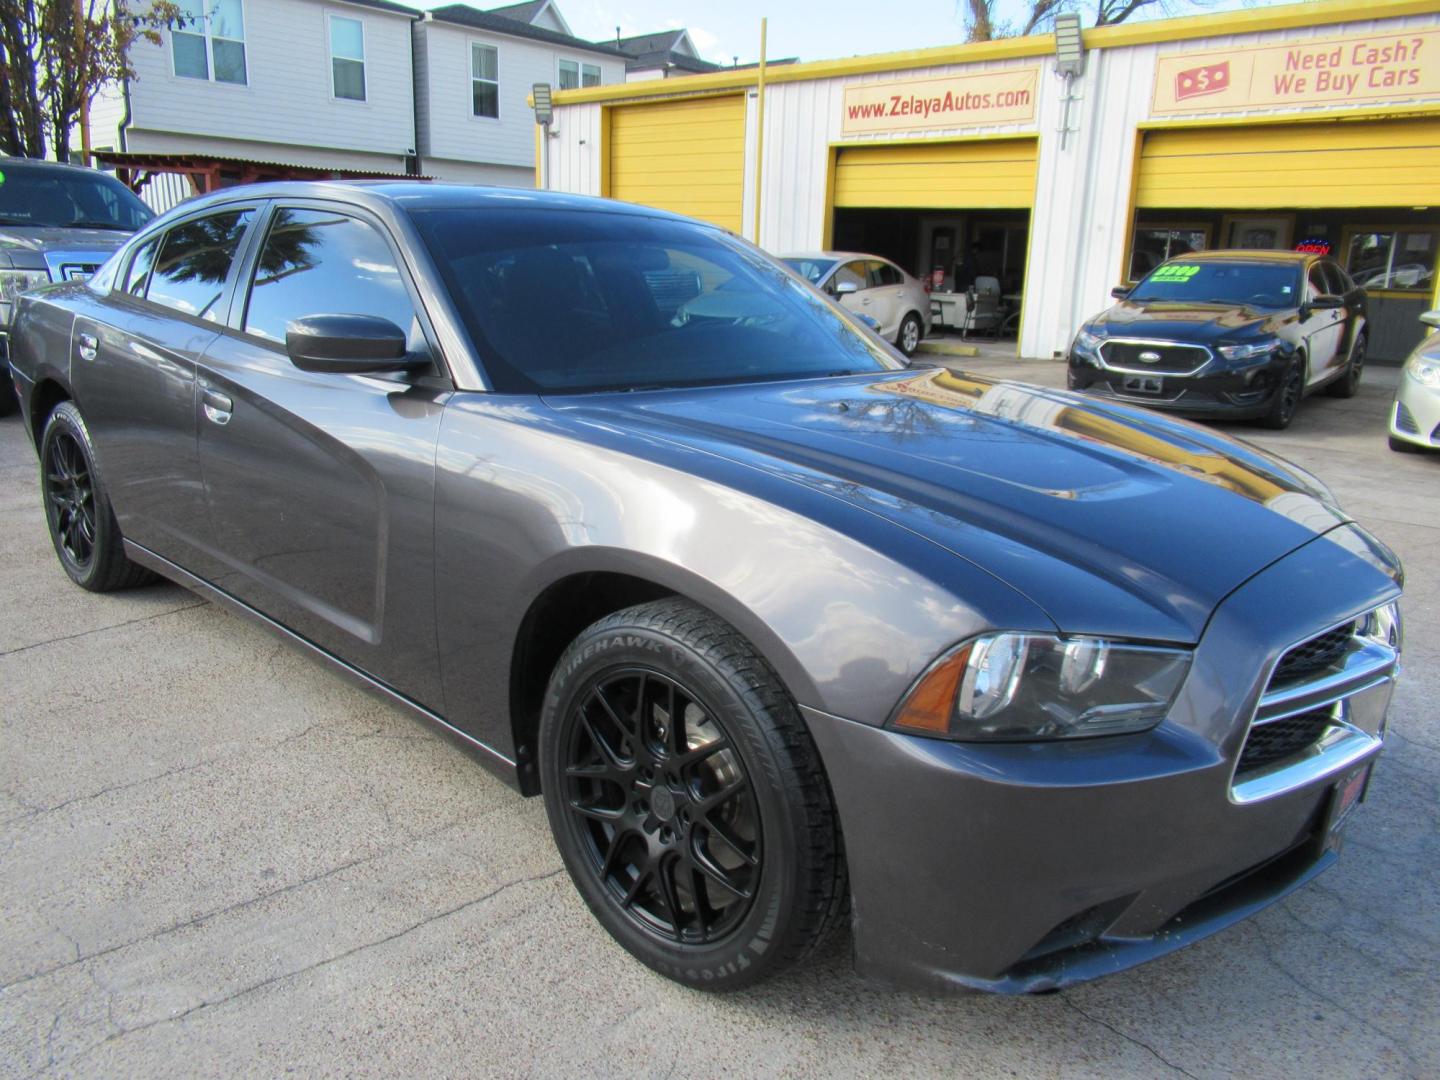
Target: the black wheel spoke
(626, 727)
(599, 813)
(729, 791)
(733, 842)
(700, 753)
(712, 871)
(612, 852)
(633, 892)
(668, 899)
(603, 748)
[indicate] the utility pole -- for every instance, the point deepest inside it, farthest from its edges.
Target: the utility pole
(80, 38)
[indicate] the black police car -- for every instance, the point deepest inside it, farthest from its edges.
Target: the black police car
(1232, 334)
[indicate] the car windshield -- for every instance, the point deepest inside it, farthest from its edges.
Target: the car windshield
(1254, 284)
(812, 270)
(570, 301)
(67, 199)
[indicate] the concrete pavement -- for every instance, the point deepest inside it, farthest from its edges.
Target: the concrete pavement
(218, 859)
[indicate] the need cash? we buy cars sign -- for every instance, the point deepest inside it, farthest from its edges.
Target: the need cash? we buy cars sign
(996, 97)
(1354, 68)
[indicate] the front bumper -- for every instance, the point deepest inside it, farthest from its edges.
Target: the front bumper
(1415, 413)
(1027, 867)
(1216, 392)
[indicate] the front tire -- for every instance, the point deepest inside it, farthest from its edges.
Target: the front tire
(1287, 397)
(907, 340)
(1348, 384)
(687, 799)
(77, 510)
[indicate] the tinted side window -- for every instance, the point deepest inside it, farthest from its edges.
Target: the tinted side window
(1335, 282)
(1318, 286)
(194, 261)
(883, 274)
(140, 266)
(318, 262)
(853, 272)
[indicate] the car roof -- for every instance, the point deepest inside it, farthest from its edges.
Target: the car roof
(1247, 255)
(410, 195)
(11, 164)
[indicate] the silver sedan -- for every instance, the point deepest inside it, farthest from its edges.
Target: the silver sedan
(870, 285)
(1415, 417)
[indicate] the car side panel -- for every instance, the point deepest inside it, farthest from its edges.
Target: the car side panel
(844, 605)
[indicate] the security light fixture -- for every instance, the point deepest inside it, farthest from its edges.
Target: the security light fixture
(1069, 45)
(544, 111)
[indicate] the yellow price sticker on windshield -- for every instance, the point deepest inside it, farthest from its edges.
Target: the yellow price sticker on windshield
(1176, 272)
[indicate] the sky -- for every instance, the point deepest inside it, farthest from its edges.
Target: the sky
(724, 30)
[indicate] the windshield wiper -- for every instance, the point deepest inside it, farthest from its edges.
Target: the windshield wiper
(98, 225)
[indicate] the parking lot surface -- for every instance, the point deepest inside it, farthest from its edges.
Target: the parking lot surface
(218, 859)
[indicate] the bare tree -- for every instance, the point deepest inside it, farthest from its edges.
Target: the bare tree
(982, 25)
(56, 56)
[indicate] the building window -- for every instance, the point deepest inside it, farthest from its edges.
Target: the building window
(1156, 243)
(569, 75)
(347, 57)
(485, 80)
(209, 42)
(589, 75)
(1393, 259)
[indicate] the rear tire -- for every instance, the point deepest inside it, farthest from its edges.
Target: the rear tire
(907, 340)
(1287, 397)
(687, 799)
(1347, 385)
(82, 525)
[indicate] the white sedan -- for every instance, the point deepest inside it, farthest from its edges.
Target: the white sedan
(870, 285)
(1415, 416)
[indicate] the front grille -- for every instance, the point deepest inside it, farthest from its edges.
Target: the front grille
(1309, 657)
(1284, 738)
(1405, 420)
(1172, 359)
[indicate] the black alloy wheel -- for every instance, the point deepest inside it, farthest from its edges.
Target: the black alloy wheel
(1348, 384)
(662, 806)
(82, 525)
(1287, 396)
(687, 799)
(70, 501)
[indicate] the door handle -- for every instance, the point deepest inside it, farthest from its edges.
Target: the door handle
(88, 346)
(218, 406)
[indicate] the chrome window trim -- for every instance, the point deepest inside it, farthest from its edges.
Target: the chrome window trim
(1367, 666)
(1106, 365)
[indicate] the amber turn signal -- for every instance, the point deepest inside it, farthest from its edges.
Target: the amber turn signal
(931, 701)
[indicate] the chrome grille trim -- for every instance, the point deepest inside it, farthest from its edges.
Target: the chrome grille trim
(1159, 344)
(1368, 668)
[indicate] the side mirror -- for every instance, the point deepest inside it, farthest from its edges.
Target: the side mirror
(845, 288)
(347, 344)
(1326, 303)
(870, 321)
(1431, 318)
(1122, 292)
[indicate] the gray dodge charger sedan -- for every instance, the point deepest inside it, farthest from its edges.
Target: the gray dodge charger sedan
(1032, 687)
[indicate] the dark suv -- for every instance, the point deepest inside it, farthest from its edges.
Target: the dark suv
(1233, 334)
(57, 223)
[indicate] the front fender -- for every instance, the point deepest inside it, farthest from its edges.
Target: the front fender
(847, 607)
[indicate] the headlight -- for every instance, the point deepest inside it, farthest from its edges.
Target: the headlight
(1017, 687)
(1424, 370)
(1384, 626)
(1248, 351)
(1087, 343)
(15, 282)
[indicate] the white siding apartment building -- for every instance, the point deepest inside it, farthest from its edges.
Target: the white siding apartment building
(362, 85)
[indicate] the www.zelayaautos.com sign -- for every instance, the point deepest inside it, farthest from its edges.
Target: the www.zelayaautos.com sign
(996, 97)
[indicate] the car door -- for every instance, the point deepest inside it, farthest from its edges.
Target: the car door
(887, 296)
(134, 374)
(1339, 284)
(321, 485)
(1322, 328)
(855, 273)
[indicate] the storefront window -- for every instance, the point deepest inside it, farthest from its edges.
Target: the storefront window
(1156, 243)
(1397, 260)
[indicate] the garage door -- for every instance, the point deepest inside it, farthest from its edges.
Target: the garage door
(683, 156)
(996, 173)
(1389, 163)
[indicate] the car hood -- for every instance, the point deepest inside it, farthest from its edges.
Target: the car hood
(27, 246)
(1200, 323)
(1113, 520)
